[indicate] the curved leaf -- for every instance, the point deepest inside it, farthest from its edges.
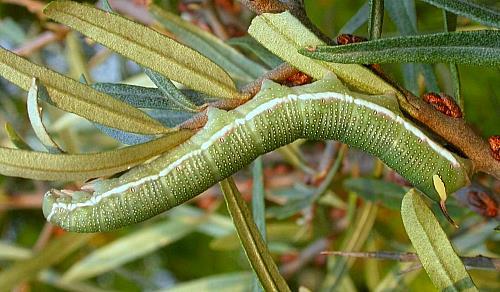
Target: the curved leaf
(469, 47)
(145, 46)
(234, 62)
(75, 97)
(14, 137)
(250, 238)
(434, 250)
(283, 35)
(470, 9)
(47, 166)
(35, 117)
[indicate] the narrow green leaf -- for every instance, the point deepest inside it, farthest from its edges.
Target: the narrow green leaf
(47, 166)
(128, 248)
(52, 278)
(258, 192)
(258, 207)
(375, 19)
(12, 252)
(15, 138)
(255, 248)
(171, 92)
(145, 46)
(137, 96)
(234, 62)
(249, 43)
(284, 35)
(357, 20)
(57, 250)
(386, 193)
(450, 25)
(35, 117)
(73, 96)
(403, 14)
(470, 9)
(433, 248)
(469, 47)
(234, 282)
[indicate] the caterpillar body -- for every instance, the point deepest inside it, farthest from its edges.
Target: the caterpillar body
(230, 140)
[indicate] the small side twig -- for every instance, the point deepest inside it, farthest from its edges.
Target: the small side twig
(477, 262)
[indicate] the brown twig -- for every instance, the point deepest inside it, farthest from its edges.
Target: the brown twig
(477, 262)
(41, 41)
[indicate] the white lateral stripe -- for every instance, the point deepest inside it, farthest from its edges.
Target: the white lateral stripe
(96, 198)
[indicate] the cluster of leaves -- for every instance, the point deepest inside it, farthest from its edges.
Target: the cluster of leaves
(338, 210)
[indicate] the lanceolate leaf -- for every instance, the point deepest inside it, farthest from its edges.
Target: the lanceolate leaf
(136, 96)
(250, 44)
(73, 96)
(235, 63)
(470, 9)
(252, 242)
(129, 248)
(35, 116)
(15, 138)
(145, 46)
(171, 92)
(433, 248)
(470, 47)
(284, 35)
(47, 166)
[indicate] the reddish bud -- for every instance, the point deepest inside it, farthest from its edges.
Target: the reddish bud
(344, 39)
(495, 146)
(483, 203)
(443, 103)
(297, 79)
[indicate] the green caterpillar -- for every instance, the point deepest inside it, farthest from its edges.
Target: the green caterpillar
(230, 140)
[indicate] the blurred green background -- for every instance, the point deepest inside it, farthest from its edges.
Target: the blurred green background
(197, 240)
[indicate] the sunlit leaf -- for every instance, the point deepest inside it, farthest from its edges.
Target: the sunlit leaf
(12, 252)
(255, 248)
(57, 250)
(128, 248)
(235, 63)
(470, 9)
(471, 47)
(145, 46)
(73, 96)
(234, 282)
(433, 248)
(47, 166)
(35, 117)
(284, 35)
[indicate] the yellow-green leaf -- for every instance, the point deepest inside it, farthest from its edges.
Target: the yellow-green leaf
(442, 264)
(57, 250)
(284, 35)
(47, 166)
(75, 97)
(146, 47)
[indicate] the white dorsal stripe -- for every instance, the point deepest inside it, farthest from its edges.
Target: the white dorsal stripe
(272, 103)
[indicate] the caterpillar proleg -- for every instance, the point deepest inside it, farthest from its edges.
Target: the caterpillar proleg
(230, 140)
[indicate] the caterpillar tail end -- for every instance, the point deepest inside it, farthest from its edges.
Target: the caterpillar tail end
(442, 206)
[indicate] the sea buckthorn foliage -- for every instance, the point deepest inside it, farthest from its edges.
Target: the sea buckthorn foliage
(91, 93)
